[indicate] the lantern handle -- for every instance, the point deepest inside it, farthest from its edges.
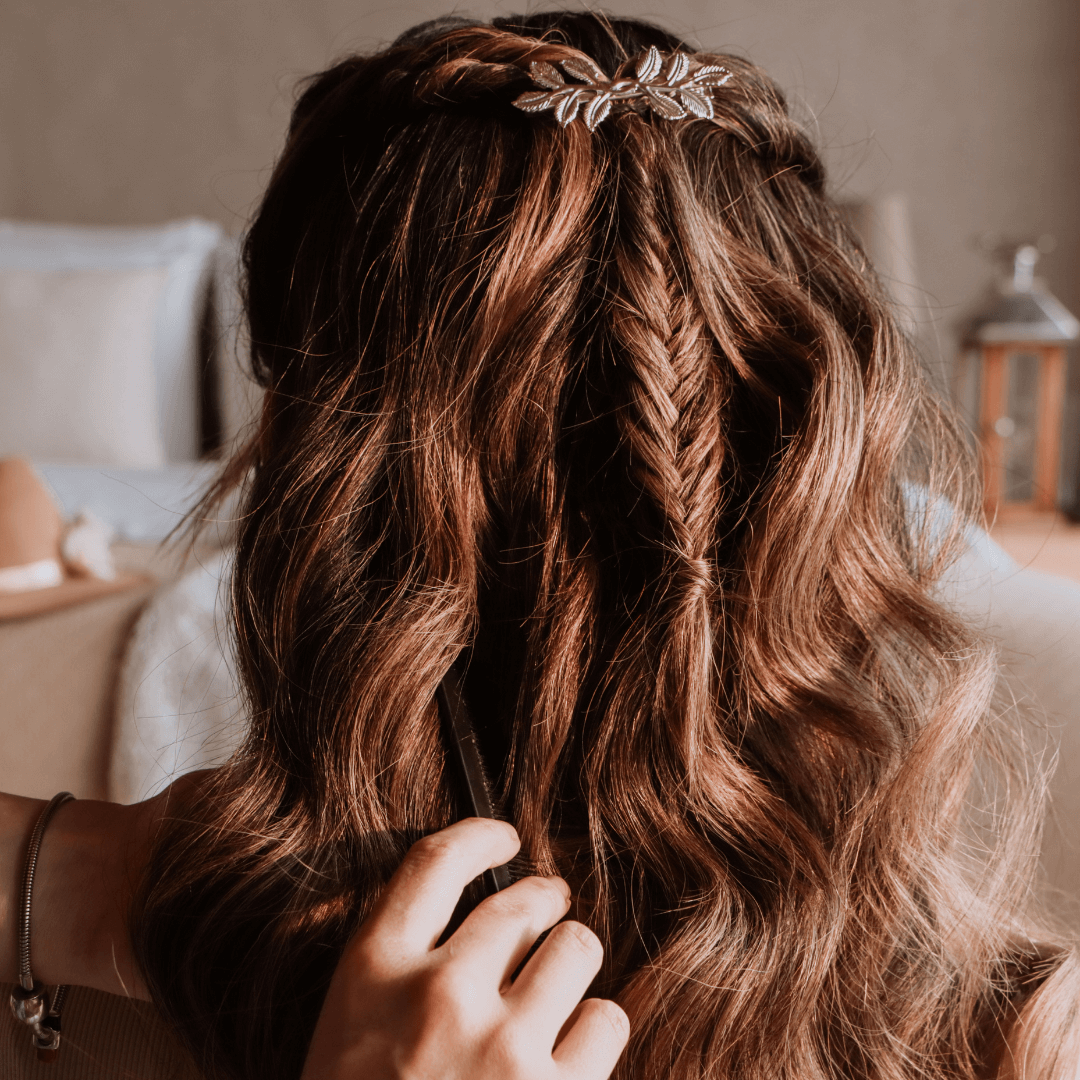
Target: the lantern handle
(1024, 259)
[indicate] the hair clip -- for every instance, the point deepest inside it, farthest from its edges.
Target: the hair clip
(673, 93)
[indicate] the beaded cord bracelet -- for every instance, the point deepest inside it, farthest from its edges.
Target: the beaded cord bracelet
(29, 1000)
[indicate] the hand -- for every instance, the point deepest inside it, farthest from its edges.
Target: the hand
(400, 1007)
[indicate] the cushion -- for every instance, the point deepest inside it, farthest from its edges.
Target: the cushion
(76, 351)
(178, 706)
(1035, 620)
(239, 396)
(184, 253)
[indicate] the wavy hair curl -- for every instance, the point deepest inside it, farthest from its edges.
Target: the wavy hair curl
(622, 423)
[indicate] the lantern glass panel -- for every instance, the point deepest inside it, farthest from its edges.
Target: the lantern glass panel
(1021, 408)
(967, 388)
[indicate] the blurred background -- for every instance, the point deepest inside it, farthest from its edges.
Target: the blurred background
(951, 129)
(150, 110)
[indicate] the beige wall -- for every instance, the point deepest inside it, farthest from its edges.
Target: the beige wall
(144, 110)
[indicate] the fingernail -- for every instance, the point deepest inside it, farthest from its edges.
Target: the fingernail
(562, 885)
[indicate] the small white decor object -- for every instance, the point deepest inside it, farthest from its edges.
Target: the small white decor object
(86, 547)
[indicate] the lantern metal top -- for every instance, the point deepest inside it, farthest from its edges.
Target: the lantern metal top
(1025, 310)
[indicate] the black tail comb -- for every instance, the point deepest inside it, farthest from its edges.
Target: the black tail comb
(460, 740)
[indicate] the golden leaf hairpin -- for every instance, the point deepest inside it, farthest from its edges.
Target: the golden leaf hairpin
(672, 91)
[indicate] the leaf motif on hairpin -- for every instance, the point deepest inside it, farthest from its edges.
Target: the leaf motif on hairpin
(674, 93)
(677, 69)
(581, 67)
(543, 74)
(649, 65)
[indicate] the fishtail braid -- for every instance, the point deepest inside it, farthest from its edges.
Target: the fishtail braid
(671, 420)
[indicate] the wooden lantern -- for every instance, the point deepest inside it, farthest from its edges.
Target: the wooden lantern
(1016, 353)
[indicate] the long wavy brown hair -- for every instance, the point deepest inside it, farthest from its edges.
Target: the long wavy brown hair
(621, 423)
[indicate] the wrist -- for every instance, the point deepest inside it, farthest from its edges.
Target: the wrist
(86, 872)
(92, 859)
(17, 817)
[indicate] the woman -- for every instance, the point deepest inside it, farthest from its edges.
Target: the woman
(578, 384)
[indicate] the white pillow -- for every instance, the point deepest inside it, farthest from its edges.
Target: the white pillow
(185, 251)
(76, 376)
(239, 396)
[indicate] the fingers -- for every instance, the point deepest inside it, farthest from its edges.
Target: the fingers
(455, 999)
(558, 974)
(498, 934)
(595, 1036)
(416, 905)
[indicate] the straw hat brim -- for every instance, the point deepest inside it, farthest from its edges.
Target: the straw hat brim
(71, 591)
